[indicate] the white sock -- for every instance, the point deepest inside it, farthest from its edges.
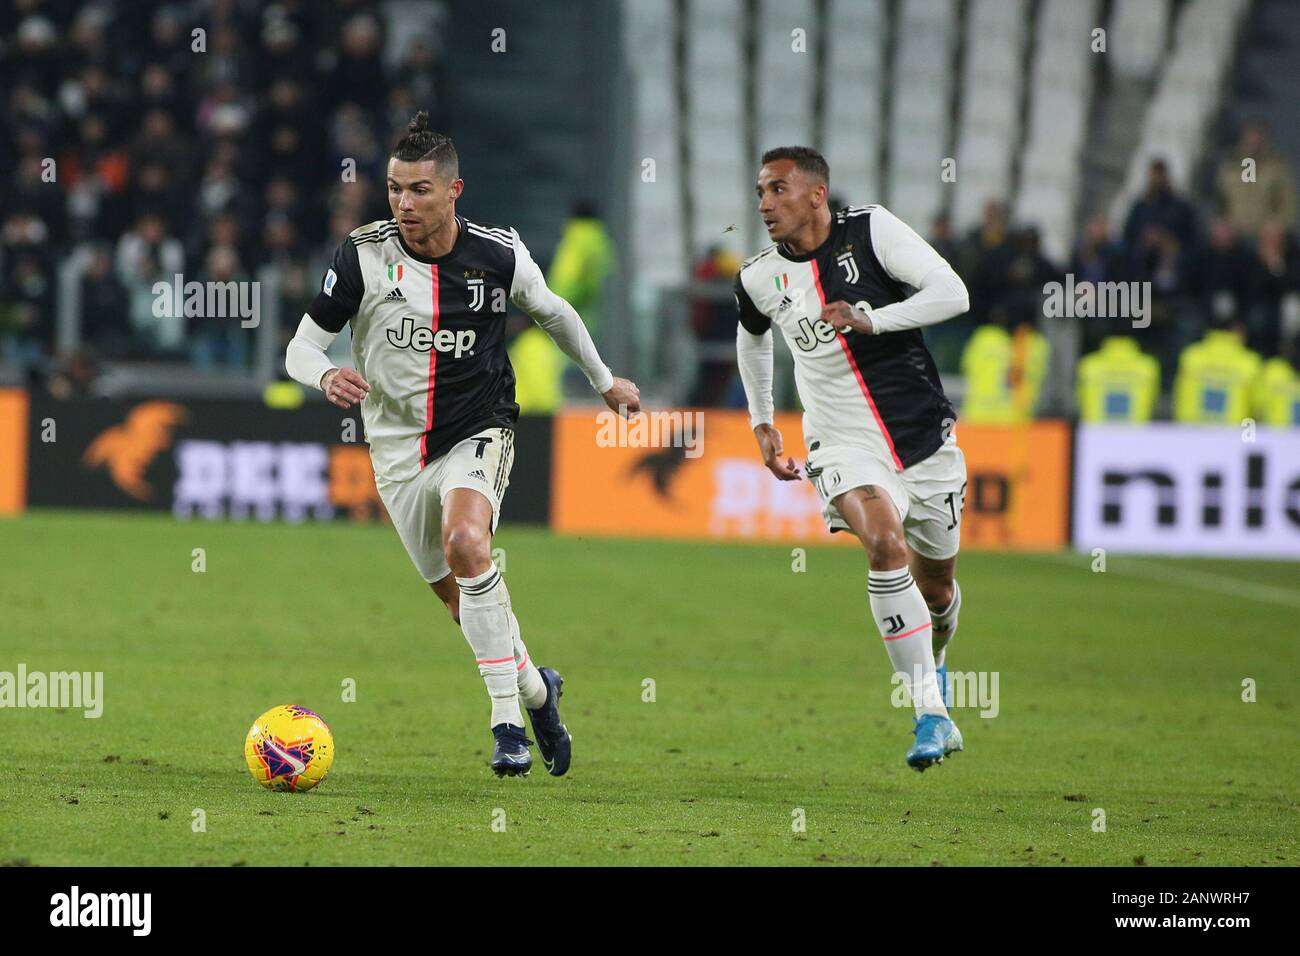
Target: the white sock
(945, 625)
(485, 619)
(532, 691)
(904, 622)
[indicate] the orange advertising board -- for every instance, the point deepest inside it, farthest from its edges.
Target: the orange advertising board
(1017, 486)
(697, 474)
(13, 450)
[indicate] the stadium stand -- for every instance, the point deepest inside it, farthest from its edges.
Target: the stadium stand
(170, 165)
(1054, 112)
(212, 149)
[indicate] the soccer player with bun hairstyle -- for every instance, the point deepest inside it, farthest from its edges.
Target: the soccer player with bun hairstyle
(425, 293)
(850, 290)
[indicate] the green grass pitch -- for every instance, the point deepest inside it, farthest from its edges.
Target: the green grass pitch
(1120, 691)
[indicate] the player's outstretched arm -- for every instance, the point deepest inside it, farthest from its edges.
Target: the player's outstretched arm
(336, 303)
(306, 362)
(562, 323)
(754, 358)
(772, 450)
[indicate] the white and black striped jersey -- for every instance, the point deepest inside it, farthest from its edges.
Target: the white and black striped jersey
(879, 391)
(429, 335)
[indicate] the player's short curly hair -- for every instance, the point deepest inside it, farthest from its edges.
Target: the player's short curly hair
(807, 159)
(421, 145)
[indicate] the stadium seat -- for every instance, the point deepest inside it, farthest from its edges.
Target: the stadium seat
(997, 16)
(657, 237)
(990, 115)
(785, 78)
(715, 74)
(915, 196)
(852, 83)
(1189, 84)
(931, 17)
(1136, 38)
(922, 58)
(1060, 91)
(855, 47)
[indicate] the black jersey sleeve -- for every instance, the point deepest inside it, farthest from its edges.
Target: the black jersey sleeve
(754, 321)
(341, 290)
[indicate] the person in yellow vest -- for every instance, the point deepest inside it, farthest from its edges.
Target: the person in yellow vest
(582, 262)
(539, 372)
(1004, 375)
(1118, 382)
(1215, 384)
(1277, 394)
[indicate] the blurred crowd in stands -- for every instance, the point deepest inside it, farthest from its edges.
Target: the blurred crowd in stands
(209, 139)
(1224, 271)
(213, 139)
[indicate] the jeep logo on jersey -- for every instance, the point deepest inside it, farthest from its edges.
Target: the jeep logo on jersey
(422, 339)
(811, 333)
(475, 293)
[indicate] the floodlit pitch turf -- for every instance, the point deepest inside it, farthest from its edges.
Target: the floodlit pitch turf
(1120, 691)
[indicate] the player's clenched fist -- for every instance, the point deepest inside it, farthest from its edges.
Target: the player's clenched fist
(844, 317)
(344, 387)
(769, 443)
(623, 397)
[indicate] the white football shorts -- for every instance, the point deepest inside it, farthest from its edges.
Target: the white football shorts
(481, 462)
(928, 495)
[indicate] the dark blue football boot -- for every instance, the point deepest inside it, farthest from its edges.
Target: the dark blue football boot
(553, 739)
(510, 756)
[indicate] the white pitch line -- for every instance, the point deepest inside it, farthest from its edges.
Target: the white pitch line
(1234, 587)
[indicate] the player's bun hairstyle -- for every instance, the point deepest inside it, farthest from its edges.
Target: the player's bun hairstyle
(421, 145)
(807, 159)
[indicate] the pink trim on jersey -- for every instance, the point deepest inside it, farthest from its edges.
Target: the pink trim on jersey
(433, 368)
(511, 659)
(899, 637)
(857, 372)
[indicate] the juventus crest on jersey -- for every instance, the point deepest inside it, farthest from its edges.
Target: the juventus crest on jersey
(880, 392)
(428, 335)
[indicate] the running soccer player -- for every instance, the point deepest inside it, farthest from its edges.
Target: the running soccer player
(878, 427)
(425, 292)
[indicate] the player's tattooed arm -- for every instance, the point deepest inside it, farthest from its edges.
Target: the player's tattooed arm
(844, 317)
(769, 443)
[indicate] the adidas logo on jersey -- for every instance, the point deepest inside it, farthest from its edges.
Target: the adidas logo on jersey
(785, 303)
(395, 296)
(478, 473)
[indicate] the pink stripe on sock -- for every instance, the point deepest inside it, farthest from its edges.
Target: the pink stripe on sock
(525, 663)
(899, 637)
(502, 661)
